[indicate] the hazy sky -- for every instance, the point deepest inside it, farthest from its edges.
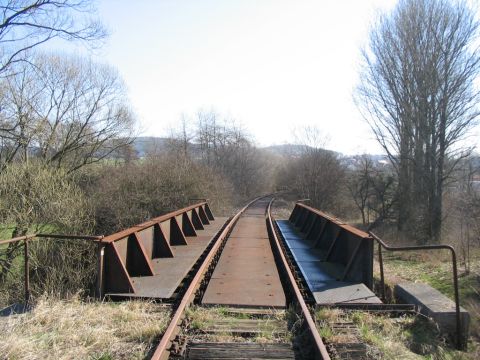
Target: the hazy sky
(273, 65)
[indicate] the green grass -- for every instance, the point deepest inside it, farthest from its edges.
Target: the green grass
(437, 272)
(6, 232)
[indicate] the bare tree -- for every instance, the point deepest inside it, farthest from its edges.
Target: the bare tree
(316, 174)
(466, 209)
(226, 147)
(66, 110)
(383, 196)
(360, 186)
(419, 96)
(181, 138)
(26, 24)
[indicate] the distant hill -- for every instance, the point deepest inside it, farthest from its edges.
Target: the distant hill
(294, 150)
(145, 144)
(285, 149)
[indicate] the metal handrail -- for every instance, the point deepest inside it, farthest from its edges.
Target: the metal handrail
(30, 237)
(52, 236)
(381, 244)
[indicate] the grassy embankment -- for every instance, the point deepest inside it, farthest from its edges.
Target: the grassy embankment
(76, 328)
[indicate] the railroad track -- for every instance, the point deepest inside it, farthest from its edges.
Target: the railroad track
(259, 281)
(246, 286)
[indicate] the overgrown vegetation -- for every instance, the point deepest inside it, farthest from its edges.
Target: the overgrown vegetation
(130, 193)
(36, 198)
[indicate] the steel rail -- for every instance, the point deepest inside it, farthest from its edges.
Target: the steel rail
(387, 247)
(124, 233)
(162, 352)
(321, 350)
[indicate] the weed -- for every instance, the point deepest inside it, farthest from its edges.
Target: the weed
(201, 320)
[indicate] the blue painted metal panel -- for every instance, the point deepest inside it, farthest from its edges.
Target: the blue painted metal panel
(322, 277)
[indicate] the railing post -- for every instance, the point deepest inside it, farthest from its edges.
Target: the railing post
(27, 272)
(101, 253)
(460, 345)
(382, 276)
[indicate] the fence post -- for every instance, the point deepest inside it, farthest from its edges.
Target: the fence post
(101, 253)
(382, 275)
(27, 272)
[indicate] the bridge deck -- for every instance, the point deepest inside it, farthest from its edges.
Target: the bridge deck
(321, 277)
(169, 272)
(246, 274)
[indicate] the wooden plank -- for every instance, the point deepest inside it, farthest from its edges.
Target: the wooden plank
(237, 351)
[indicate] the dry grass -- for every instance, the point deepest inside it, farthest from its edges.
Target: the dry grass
(283, 205)
(282, 208)
(73, 329)
(406, 337)
(390, 338)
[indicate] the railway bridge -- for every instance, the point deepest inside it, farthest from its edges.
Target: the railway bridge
(253, 267)
(249, 264)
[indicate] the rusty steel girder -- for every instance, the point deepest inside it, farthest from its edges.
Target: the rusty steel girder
(129, 253)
